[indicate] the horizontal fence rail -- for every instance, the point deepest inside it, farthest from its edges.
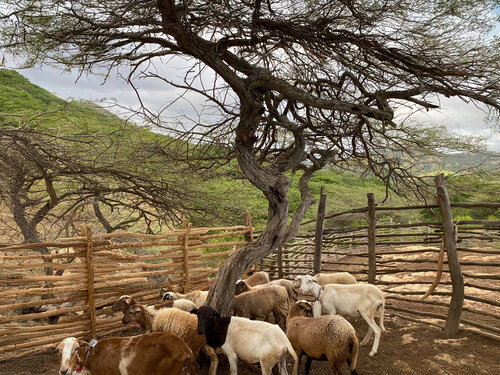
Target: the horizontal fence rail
(406, 264)
(39, 307)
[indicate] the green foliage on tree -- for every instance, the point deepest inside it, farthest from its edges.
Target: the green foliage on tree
(288, 85)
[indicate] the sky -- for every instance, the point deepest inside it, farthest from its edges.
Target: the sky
(456, 115)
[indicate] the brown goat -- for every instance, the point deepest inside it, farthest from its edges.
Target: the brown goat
(328, 336)
(242, 286)
(123, 303)
(259, 303)
(258, 278)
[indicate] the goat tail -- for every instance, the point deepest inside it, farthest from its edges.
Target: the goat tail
(353, 355)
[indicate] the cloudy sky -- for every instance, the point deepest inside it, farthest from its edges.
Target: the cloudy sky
(456, 115)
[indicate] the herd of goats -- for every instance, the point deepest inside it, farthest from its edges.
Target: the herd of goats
(181, 328)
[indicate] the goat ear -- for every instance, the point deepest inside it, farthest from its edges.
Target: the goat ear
(59, 346)
(217, 314)
(194, 311)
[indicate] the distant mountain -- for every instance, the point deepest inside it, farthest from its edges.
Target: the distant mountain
(466, 162)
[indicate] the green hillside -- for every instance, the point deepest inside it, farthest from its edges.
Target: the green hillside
(230, 197)
(19, 96)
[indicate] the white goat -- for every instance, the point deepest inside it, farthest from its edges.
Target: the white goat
(328, 278)
(349, 300)
(198, 297)
(249, 340)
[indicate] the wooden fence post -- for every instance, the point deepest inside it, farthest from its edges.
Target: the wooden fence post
(318, 238)
(185, 250)
(279, 258)
(457, 281)
(87, 232)
(372, 221)
(249, 237)
(247, 221)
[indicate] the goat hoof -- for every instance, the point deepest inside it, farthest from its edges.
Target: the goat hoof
(372, 353)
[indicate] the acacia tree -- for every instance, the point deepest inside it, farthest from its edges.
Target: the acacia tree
(52, 182)
(294, 84)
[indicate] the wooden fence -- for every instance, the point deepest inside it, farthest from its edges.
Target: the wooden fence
(96, 270)
(404, 264)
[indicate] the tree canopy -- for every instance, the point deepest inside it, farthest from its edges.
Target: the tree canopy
(66, 163)
(288, 85)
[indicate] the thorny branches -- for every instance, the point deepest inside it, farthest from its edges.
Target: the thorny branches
(53, 182)
(292, 82)
(287, 84)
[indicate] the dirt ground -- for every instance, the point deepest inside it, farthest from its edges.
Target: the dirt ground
(406, 348)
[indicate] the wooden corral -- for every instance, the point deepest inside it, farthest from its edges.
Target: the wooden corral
(37, 310)
(404, 260)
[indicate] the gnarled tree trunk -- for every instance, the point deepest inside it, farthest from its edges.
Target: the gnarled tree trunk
(274, 185)
(275, 188)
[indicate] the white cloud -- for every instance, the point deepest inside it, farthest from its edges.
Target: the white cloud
(456, 115)
(463, 118)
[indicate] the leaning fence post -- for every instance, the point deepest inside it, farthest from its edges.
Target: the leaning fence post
(185, 250)
(87, 232)
(318, 238)
(372, 221)
(457, 280)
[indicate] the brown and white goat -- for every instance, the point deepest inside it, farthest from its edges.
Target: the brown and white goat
(149, 354)
(198, 297)
(126, 301)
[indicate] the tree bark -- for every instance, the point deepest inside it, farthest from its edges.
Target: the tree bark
(275, 188)
(28, 228)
